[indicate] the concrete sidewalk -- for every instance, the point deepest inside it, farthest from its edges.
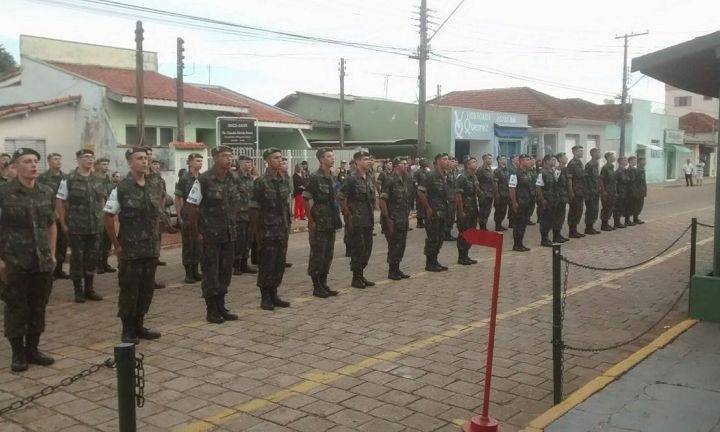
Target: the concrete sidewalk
(675, 389)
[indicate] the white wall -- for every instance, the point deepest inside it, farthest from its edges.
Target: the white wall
(697, 103)
(583, 130)
(479, 148)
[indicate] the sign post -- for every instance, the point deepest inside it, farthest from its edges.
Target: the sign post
(237, 132)
(483, 422)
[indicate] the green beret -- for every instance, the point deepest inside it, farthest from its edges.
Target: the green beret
(441, 155)
(82, 152)
(192, 156)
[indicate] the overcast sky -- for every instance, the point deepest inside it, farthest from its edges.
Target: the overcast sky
(565, 48)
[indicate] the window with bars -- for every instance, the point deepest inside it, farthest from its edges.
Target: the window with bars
(39, 145)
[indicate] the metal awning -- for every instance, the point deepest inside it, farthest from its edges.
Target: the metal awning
(652, 147)
(691, 65)
(678, 148)
(503, 130)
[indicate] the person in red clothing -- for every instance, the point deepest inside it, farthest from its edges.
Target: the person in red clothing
(299, 180)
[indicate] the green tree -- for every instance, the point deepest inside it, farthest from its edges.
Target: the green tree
(7, 62)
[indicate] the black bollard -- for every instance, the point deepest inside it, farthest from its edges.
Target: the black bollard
(557, 325)
(693, 246)
(125, 364)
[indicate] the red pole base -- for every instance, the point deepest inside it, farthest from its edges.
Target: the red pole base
(482, 424)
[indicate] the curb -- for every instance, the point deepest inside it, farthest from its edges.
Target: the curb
(580, 395)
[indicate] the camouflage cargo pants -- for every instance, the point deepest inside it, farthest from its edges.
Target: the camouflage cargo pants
(361, 242)
(191, 246)
(84, 250)
(271, 261)
(137, 286)
(26, 296)
(217, 261)
(396, 246)
(435, 231)
(322, 246)
(469, 220)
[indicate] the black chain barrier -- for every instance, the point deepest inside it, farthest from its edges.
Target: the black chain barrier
(705, 225)
(65, 382)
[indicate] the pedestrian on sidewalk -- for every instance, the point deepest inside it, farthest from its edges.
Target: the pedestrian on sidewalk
(699, 172)
(298, 189)
(396, 199)
(689, 170)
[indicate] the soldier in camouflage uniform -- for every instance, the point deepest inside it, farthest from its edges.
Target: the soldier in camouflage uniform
(212, 212)
(501, 175)
(622, 182)
(137, 202)
(521, 184)
(81, 198)
(432, 196)
(395, 202)
(451, 178)
(638, 191)
(608, 191)
(512, 169)
(52, 177)
(102, 166)
(468, 194)
(488, 190)
(270, 218)
(153, 175)
(547, 190)
(245, 188)
(191, 243)
(593, 191)
(419, 179)
(577, 185)
(27, 241)
(323, 221)
(357, 199)
(561, 206)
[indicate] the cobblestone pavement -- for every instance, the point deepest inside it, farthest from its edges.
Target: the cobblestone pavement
(400, 356)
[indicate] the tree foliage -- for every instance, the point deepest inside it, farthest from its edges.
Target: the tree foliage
(7, 62)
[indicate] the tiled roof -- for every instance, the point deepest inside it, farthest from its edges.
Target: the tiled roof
(17, 109)
(185, 145)
(541, 109)
(156, 86)
(695, 122)
(260, 110)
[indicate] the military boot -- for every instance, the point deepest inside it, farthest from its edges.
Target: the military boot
(574, 232)
(394, 272)
(143, 332)
(276, 300)
(546, 241)
(189, 278)
(365, 281)
(432, 265)
(78, 288)
(420, 223)
(105, 267)
(19, 357)
(90, 293)
(589, 229)
(617, 224)
(357, 281)
(638, 221)
(225, 312)
(402, 274)
(128, 330)
(323, 281)
(247, 268)
(237, 271)
(463, 258)
(213, 312)
(629, 222)
(196, 272)
(34, 356)
(605, 226)
(558, 238)
(266, 300)
(318, 288)
(518, 247)
(59, 273)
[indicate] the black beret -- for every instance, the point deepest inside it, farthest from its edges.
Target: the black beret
(469, 158)
(222, 149)
(361, 153)
(4, 155)
(321, 152)
(102, 159)
(132, 150)
(22, 151)
(82, 152)
(524, 156)
(244, 157)
(270, 151)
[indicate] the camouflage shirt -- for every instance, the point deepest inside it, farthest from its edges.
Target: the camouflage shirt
(562, 184)
(576, 173)
(592, 176)
(217, 199)
(25, 217)
(638, 185)
(244, 185)
(397, 193)
(436, 189)
(49, 179)
(271, 197)
(468, 186)
(84, 198)
(548, 182)
(486, 182)
(502, 175)
(360, 195)
(607, 176)
(622, 180)
(320, 189)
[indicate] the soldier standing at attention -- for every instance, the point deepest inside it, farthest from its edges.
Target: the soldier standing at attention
(514, 166)
(81, 198)
(609, 191)
(488, 190)
(577, 185)
(432, 195)
(501, 177)
(632, 192)
(191, 244)
(451, 174)
(534, 170)
(154, 175)
(395, 202)
(419, 178)
(27, 234)
(52, 177)
(323, 220)
(562, 193)
(137, 202)
(244, 181)
(469, 191)
(622, 182)
(520, 184)
(638, 191)
(593, 191)
(270, 221)
(357, 198)
(102, 167)
(547, 193)
(212, 215)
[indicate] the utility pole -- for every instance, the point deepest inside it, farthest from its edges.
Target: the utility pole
(180, 96)
(624, 96)
(139, 84)
(342, 102)
(439, 93)
(422, 55)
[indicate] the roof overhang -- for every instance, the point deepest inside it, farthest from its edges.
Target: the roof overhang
(280, 125)
(652, 147)
(173, 104)
(693, 65)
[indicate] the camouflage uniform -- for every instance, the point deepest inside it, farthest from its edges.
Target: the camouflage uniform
(638, 192)
(468, 187)
(53, 181)
(419, 179)
(436, 189)
(487, 192)
(360, 194)
(26, 214)
(592, 197)
(244, 186)
(105, 243)
(607, 176)
(548, 182)
(397, 193)
(451, 176)
(576, 173)
(622, 181)
(501, 177)
(321, 190)
(523, 183)
(561, 206)
(191, 244)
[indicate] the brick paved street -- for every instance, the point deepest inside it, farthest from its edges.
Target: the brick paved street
(400, 356)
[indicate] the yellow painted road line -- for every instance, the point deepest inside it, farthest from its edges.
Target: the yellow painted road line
(314, 380)
(612, 374)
